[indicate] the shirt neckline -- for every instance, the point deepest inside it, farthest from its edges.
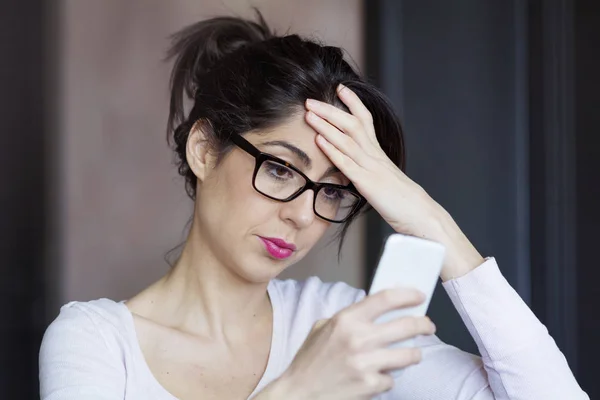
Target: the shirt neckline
(273, 361)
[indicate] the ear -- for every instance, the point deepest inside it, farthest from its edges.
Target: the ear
(197, 151)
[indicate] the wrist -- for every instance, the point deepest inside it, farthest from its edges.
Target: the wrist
(281, 388)
(461, 256)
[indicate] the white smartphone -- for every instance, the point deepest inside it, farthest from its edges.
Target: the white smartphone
(410, 262)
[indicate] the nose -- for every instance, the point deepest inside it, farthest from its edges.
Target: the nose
(299, 211)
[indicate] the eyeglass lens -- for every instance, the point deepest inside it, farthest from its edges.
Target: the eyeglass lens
(275, 180)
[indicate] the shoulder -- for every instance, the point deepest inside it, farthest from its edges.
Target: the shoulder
(313, 293)
(82, 352)
(96, 325)
(101, 313)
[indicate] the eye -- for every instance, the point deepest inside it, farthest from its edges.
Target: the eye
(278, 171)
(336, 178)
(333, 193)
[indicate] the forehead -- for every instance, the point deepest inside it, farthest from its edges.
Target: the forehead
(296, 132)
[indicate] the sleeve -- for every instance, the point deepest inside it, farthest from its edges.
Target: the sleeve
(520, 360)
(76, 361)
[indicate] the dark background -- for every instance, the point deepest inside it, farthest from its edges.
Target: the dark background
(22, 180)
(499, 95)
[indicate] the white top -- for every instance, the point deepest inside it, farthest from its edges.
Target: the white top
(91, 352)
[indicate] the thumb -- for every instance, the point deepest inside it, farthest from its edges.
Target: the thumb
(319, 324)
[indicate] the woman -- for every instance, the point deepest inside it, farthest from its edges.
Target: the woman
(283, 140)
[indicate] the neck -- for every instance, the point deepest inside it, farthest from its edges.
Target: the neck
(202, 296)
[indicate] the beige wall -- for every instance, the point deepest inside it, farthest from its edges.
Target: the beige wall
(122, 206)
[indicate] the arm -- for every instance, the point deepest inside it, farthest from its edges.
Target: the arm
(520, 361)
(520, 358)
(75, 361)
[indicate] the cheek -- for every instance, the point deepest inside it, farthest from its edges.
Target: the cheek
(239, 201)
(317, 230)
(233, 207)
(310, 235)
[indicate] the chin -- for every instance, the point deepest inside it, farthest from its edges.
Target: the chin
(260, 274)
(262, 268)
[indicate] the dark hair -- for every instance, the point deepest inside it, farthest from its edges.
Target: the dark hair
(242, 77)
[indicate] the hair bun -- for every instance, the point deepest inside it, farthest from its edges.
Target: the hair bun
(199, 47)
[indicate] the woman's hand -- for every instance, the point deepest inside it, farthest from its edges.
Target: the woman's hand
(349, 140)
(347, 356)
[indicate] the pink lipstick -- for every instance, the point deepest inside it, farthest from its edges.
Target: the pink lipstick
(278, 248)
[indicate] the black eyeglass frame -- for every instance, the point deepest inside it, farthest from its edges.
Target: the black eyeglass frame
(261, 157)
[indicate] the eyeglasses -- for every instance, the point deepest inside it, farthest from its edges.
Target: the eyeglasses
(279, 180)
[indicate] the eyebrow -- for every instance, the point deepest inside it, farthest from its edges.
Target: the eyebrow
(300, 154)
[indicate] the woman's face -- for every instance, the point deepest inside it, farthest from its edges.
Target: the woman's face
(241, 226)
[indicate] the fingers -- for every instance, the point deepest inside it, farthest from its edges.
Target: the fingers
(357, 124)
(373, 306)
(351, 134)
(400, 329)
(344, 122)
(376, 383)
(358, 109)
(355, 105)
(344, 143)
(347, 165)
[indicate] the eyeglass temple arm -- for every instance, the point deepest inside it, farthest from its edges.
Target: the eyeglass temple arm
(250, 149)
(245, 145)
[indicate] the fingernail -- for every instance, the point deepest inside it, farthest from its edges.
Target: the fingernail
(340, 88)
(312, 103)
(432, 327)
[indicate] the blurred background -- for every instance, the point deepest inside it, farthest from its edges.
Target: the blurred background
(498, 103)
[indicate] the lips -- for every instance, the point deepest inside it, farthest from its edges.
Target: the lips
(278, 248)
